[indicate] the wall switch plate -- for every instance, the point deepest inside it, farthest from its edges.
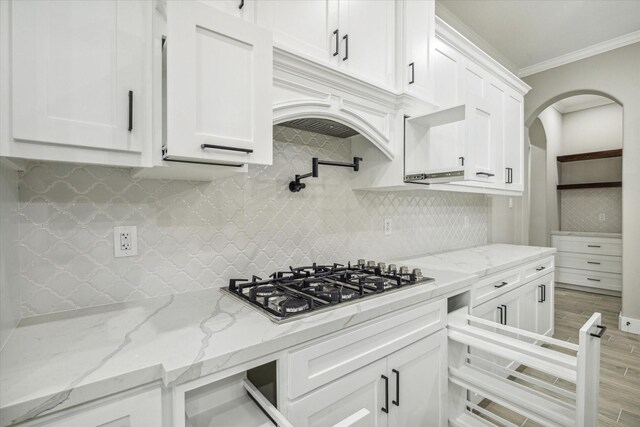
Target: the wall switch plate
(125, 241)
(601, 217)
(387, 226)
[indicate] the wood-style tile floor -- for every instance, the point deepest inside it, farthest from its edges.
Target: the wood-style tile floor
(619, 358)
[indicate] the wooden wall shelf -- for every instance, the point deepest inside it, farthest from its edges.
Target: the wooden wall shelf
(590, 185)
(594, 155)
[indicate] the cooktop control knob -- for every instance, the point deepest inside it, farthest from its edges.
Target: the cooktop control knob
(371, 263)
(417, 272)
(404, 270)
(382, 266)
(392, 268)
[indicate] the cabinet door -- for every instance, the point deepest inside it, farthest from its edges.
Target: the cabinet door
(419, 34)
(527, 308)
(244, 9)
(418, 389)
(448, 75)
(367, 40)
(141, 410)
(544, 306)
(482, 138)
(218, 91)
(514, 141)
(303, 26)
(74, 67)
(343, 398)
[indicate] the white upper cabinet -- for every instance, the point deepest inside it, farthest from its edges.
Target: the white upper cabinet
(514, 141)
(218, 87)
(355, 36)
(243, 9)
(416, 70)
(79, 77)
(367, 40)
(306, 27)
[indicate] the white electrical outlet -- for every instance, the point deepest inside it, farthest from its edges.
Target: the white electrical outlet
(466, 222)
(387, 227)
(125, 241)
(601, 217)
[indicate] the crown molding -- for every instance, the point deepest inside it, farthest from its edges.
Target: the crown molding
(458, 41)
(577, 55)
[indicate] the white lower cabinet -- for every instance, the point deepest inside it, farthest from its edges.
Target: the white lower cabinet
(143, 409)
(407, 388)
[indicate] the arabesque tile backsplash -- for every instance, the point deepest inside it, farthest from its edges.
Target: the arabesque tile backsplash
(580, 210)
(194, 235)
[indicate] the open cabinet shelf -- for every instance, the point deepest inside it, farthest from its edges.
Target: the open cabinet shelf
(612, 184)
(593, 155)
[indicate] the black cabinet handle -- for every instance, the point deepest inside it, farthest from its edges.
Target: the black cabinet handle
(501, 285)
(593, 280)
(487, 174)
(593, 246)
(509, 175)
(397, 401)
(540, 268)
(385, 408)
(337, 34)
(413, 75)
(544, 293)
(593, 262)
(505, 313)
(241, 4)
(501, 315)
(346, 47)
(541, 298)
(461, 161)
(600, 333)
(222, 147)
(130, 111)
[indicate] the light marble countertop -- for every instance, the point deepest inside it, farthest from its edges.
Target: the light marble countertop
(481, 260)
(61, 360)
(587, 234)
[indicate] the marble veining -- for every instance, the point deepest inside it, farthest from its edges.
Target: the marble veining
(56, 363)
(481, 260)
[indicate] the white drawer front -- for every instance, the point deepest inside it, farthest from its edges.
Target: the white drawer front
(332, 357)
(590, 279)
(537, 269)
(604, 263)
(587, 245)
(490, 287)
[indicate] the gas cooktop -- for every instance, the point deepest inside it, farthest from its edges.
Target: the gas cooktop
(302, 291)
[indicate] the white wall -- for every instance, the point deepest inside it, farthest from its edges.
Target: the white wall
(614, 73)
(592, 129)
(552, 122)
(9, 271)
(538, 185)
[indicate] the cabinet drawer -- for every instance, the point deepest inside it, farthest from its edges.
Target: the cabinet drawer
(590, 279)
(538, 269)
(332, 357)
(587, 245)
(604, 263)
(491, 287)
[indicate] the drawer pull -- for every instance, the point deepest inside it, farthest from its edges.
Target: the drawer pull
(593, 246)
(130, 127)
(593, 280)
(505, 313)
(593, 262)
(487, 174)
(501, 285)
(501, 315)
(600, 333)
(222, 147)
(540, 268)
(385, 408)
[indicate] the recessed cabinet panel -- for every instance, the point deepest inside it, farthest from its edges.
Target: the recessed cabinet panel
(75, 66)
(329, 405)
(418, 28)
(447, 75)
(514, 141)
(367, 39)
(483, 128)
(219, 85)
(304, 27)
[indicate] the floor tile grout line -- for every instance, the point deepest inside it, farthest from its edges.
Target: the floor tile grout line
(619, 413)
